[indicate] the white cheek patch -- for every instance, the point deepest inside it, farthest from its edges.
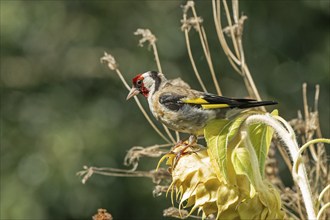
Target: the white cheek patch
(148, 83)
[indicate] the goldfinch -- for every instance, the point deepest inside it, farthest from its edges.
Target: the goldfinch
(180, 108)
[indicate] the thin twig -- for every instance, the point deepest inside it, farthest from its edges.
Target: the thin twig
(297, 160)
(308, 122)
(154, 48)
(327, 188)
(239, 59)
(217, 21)
(233, 37)
(156, 175)
(133, 155)
(193, 64)
(316, 109)
(304, 89)
(204, 43)
(322, 210)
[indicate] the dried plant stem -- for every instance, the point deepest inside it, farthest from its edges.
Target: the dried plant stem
(154, 48)
(235, 6)
(217, 20)
(327, 205)
(135, 153)
(236, 31)
(157, 176)
(186, 34)
(177, 135)
(287, 211)
(297, 161)
(179, 213)
(322, 210)
(169, 134)
(316, 109)
(254, 89)
(119, 172)
(304, 89)
(290, 142)
(238, 37)
(318, 132)
(204, 42)
(233, 37)
(323, 193)
(308, 134)
(89, 171)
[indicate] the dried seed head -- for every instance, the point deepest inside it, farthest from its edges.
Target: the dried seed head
(147, 36)
(110, 60)
(191, 22)
(102, 214)
(186, 7)
(236, 28)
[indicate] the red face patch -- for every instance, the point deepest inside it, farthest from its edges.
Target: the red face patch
(137, 78)
(138, 83)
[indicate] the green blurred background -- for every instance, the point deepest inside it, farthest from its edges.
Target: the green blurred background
(61, 109)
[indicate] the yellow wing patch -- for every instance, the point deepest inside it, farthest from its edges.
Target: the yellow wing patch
(195, 101)
(212, 106)
(205, 104)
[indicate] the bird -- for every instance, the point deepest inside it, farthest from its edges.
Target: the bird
(182, 109)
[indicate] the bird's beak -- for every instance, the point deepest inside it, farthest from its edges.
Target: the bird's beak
(133, 92)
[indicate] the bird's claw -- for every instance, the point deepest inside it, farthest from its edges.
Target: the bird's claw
(191, 142)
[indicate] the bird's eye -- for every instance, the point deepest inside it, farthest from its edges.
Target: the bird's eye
(139, 82)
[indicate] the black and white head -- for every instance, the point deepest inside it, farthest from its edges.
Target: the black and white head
(146, 83)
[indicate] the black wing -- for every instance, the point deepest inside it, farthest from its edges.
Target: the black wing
(210, 101)
(174, 101)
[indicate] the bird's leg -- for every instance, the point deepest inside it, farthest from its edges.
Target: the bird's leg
(192, 141)
(180, 143)
(189, 142)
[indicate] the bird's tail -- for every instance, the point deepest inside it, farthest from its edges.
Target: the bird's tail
(251, 104)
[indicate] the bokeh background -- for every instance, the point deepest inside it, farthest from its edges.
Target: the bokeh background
(62, 109)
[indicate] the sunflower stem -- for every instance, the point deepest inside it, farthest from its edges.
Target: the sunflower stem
(291, 143)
